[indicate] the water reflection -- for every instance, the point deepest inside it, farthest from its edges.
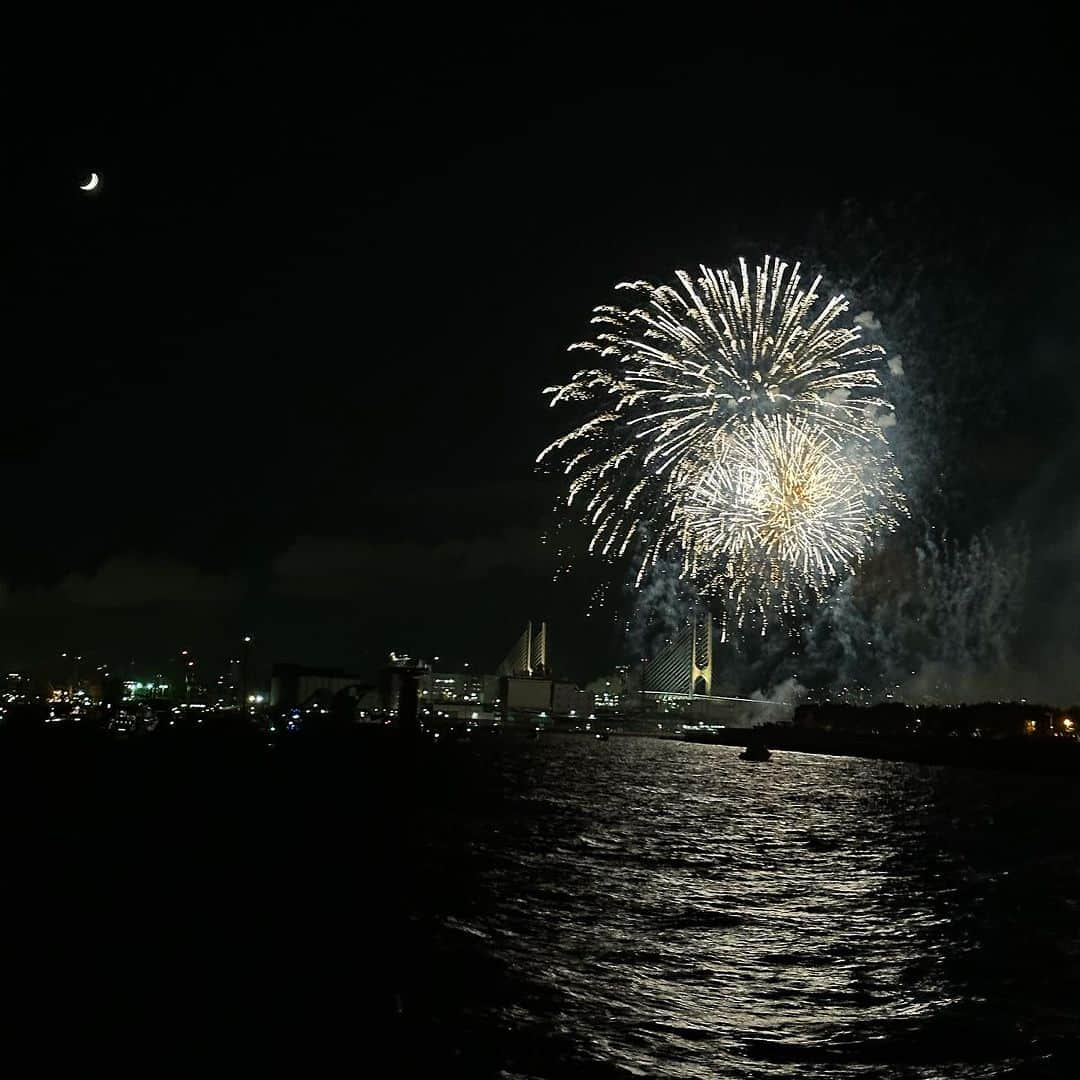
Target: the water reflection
(664, 909)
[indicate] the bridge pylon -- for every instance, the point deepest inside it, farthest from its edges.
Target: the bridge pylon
(685, 665)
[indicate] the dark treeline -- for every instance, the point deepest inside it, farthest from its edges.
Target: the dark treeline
(988, 719)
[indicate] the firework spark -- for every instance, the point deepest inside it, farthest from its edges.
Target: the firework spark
(783, 513)
(696, 376)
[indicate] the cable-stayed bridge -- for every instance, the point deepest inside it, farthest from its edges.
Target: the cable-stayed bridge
(679, 679)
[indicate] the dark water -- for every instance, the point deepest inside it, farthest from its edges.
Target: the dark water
(557, 908)
(664, 909)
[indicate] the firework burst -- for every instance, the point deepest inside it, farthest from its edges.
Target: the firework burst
(709, 371)
(782, 513)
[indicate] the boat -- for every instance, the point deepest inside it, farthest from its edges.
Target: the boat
(756, 752)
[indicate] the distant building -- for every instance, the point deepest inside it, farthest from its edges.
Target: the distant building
(402, 667)
(525, 687)
(987, 720)
(459, 696)
(14, 685)
(444, 687)
(292, 685)
(151, 688)
(568, 699)
(490, 693)
(227, 687)
(610, 691)
(245, 672)
(184, 679)
(522, 697)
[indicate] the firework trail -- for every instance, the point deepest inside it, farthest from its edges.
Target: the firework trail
(701, 378)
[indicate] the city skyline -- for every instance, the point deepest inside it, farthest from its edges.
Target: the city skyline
(225, 428)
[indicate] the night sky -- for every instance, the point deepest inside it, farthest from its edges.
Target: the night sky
(281, 374)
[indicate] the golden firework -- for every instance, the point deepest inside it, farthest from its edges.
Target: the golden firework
(746, 385)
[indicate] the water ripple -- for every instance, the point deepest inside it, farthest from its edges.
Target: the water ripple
(663, 909)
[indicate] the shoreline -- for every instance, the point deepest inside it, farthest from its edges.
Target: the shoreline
(1044, 755)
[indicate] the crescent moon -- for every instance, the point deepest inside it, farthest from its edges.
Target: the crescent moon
(91, 183)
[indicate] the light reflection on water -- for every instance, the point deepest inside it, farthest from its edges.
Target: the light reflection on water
(665, 909)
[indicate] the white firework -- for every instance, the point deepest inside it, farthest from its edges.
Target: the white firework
(696, 364)
(782, 513)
